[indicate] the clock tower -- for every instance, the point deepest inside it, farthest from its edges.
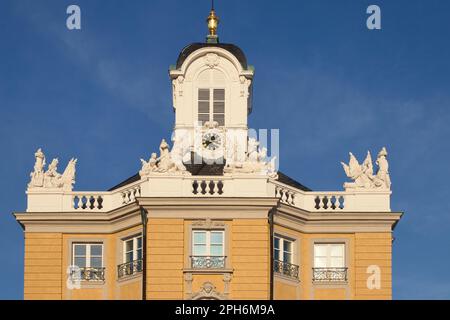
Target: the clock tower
(212, 98)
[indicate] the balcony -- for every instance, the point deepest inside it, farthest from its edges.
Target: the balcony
(208, 262)
(329, 274)
(129, 268)
(285, 269)
(87, 274)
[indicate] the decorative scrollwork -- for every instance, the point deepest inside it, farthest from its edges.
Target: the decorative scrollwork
(329, 274)
(129, 268)
(285, 268)
(88, 274)
(208, 262)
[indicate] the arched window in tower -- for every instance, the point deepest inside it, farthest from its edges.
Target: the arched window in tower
(211, 97)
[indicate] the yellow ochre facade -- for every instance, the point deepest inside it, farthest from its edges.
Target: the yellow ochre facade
(170, 276)
(211, 217)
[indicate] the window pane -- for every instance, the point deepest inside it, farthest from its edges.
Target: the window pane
(216, 250)
(337, 250)
(320, 262)
(80, 262)
(129, 245)
(320, 250)
(219, 94)
(287, 257)
(199, 250)
(139, 242)
(203, 107)
(337, 263)
(203, 94)
(287, 246)
(96, 262)
(199, 237)
(219, 107)
(276, 254)
(220, 118)
(129, 256)
(216, 237)
(139, 254)
(276, 243)
(203, 117)
(96, 250)
(80, 249)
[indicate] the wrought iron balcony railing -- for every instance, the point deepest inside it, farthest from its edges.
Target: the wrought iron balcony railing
(87, 274)
(129, 268)
(329, 274)
(208, 262)
(285, 268)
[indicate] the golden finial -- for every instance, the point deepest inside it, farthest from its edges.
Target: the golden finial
(213, 22)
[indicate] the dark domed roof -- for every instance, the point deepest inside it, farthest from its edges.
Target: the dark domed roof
(235, 50)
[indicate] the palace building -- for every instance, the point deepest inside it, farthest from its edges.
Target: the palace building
(209, 216)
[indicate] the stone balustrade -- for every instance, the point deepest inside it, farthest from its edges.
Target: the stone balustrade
(129, 195)
(208, 186)
(329, 201)
(334, 201)
(286, 195)
(88, 202)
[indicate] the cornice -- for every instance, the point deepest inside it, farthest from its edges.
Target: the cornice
(206, 202)
(335, 222)
(129, 216)
(208, 207)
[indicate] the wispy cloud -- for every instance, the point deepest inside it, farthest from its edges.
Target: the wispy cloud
(120, 77)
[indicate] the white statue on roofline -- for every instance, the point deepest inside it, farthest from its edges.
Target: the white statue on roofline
(169, 162)
(363, 175)
(51, 179)
(255, 161)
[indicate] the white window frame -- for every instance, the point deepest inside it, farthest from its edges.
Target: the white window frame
(88, 253)
(281, 249)
(328, 254)
(208, 242)
(135, 247)
(211, 103)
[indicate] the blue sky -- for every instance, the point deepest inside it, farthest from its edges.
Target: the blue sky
(329, 84)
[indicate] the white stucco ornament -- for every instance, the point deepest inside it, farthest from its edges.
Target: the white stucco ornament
(212, 60)
(208, 291)
(169, 162)
(178, 86)
(245, 86)
(363, 175)
(51, 179)
(255, 162)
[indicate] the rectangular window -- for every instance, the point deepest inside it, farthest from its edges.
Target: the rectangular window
(88, 255)
(132, 257)
(211, 106)
(283, 255)
(329, 262)
(283, 249)
(87, 259)
(132, 249)
(208, 249)
(329, 255)
(208, 243)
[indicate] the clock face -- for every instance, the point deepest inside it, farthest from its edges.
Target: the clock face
(211, 141)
